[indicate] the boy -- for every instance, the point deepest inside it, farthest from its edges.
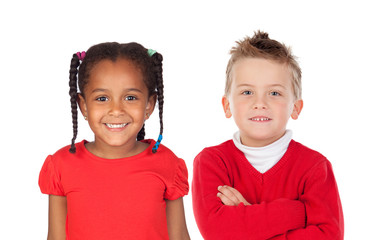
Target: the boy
(262, 184)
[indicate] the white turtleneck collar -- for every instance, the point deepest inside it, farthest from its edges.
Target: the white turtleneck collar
(264, 158)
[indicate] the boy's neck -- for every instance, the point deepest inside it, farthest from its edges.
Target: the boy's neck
(264, 158)
(249, 142)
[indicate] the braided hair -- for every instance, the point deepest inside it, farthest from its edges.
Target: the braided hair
(148, 61)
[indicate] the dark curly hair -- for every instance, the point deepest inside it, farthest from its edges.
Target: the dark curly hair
(150, 64)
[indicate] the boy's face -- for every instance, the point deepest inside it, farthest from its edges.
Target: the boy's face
(261, 100)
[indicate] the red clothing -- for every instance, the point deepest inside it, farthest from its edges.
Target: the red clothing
(296, 199)
(115, 198)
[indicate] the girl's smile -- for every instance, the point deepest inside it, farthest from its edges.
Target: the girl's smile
(116, 127)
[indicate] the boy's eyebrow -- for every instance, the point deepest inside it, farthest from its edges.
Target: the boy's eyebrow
(277, 85)
(251, 85)
(245, 85)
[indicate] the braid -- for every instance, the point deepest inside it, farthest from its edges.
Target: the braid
(141, 133)
(158, 69)
(73, 98)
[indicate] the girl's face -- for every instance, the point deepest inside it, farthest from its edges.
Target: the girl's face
(116, 103)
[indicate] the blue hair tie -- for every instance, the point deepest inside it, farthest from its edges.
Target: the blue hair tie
(160, 138)
(156, 146)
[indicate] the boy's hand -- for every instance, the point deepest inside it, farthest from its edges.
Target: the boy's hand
(230, 196)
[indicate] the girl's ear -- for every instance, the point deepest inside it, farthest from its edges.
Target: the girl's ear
(226, 106)
(150, 106)
(297, 109)
(82, 105)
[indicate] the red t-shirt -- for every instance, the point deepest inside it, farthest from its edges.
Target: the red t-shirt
(296, 199)
(115, 198)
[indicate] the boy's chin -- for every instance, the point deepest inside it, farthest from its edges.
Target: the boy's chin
(258, 140)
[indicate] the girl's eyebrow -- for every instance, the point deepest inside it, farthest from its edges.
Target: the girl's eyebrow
(99, 90)
(125, 90)
(133, 89)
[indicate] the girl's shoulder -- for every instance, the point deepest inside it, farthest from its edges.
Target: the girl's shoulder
(162, 152)
(63, 155)
(65, 151)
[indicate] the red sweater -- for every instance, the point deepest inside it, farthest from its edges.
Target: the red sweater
(296, 199)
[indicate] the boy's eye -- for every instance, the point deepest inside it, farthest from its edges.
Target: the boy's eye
(102, 99)
(130, 98)
(247, 92)
(274, 93)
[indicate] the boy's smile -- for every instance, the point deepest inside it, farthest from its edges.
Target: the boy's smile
(261, 100)
(116, 104)
(260, 119)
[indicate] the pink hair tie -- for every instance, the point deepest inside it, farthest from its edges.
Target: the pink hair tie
(81, 55)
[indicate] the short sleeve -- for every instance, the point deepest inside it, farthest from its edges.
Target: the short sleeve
(49, 180)
(179, 185)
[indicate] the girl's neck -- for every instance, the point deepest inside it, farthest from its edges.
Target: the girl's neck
(114, 152)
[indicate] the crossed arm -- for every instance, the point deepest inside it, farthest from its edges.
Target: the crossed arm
(222, 213)
(221, 210)
(230, 196)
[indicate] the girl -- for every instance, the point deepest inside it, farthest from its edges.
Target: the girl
(119, 186)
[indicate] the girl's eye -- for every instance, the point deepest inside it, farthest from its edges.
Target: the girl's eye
(102, 99)
(274, 93)
(247, 92)
(130, 98)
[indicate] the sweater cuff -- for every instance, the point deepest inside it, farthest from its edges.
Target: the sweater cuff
(299, 214)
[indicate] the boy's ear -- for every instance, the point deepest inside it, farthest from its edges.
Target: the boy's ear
(150, 106)
(82, 105)
(297, 109)
(226, 107)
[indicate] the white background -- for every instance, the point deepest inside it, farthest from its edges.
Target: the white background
(342, 51)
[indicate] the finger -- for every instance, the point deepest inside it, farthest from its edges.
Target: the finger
(236, 193)
(225, 200)
(226, 190)
(239, 196)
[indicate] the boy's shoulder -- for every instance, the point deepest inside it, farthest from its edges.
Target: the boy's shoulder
(304, 155)
(303, 148)
(223, 147)
(225, 150)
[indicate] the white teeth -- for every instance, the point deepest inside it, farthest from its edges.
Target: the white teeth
(116, 125)
(260, 119)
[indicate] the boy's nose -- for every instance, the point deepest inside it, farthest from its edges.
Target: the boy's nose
(260, 102)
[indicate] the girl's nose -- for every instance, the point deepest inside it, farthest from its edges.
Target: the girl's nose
(116, 109)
